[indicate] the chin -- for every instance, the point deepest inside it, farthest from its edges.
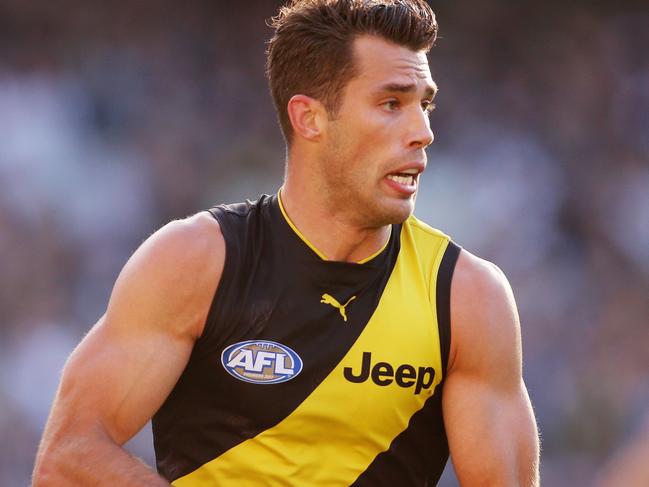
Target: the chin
(400, 217)
(395, 213)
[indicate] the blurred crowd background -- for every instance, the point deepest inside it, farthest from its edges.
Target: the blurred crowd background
(118, 117)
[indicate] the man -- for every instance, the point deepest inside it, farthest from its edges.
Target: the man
(306, 338)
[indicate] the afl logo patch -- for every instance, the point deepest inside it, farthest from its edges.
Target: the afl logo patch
(261, 362)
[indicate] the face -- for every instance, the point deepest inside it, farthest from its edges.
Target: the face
(373, 152)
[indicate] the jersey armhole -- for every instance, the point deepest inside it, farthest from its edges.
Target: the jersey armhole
(224, 283)
(443, 300)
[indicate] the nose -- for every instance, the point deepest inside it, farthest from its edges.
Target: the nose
(420, 135)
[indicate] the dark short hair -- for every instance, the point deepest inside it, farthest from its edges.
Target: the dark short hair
(311, 52)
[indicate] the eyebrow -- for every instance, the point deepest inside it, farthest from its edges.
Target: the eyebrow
(431, 90)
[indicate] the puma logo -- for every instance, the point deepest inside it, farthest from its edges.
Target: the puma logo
(329, 299)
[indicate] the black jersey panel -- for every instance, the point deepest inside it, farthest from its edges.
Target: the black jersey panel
(443, 299)
(273, 289)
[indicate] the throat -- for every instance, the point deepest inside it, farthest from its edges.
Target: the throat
(332, 239)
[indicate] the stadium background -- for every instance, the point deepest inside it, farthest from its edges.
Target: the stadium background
(115, 118)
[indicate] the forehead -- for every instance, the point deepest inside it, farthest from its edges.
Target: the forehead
(379, 62)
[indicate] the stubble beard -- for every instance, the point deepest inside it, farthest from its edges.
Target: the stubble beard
(345, 195)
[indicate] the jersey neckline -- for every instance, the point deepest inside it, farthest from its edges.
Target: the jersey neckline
(314, 249)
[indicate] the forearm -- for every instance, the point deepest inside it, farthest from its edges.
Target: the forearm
(91, 462)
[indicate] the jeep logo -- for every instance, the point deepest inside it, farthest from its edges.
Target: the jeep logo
(383, 374)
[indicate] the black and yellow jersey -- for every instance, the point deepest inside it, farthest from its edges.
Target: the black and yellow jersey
(312, 372)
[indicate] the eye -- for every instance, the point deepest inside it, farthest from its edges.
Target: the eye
(391, 105)
(428, 106)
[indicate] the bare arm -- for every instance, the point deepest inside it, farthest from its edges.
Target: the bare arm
(488, 416)
(123, 370)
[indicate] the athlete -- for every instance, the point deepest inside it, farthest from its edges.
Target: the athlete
(319, 336)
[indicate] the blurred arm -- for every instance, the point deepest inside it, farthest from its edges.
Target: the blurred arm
(488, 416)
(123, 370)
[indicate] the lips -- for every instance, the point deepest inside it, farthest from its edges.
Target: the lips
(404, 180)
(404, 184)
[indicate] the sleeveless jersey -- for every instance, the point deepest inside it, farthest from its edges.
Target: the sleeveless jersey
(312, 372)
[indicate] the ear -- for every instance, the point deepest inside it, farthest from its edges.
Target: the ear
(307, 116)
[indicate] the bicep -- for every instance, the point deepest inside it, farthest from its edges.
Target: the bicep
(127, 365)
(115, 381)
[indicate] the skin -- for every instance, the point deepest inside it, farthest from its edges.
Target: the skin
(489, 420)
(123, 370)
(337, 172)
(337, 169)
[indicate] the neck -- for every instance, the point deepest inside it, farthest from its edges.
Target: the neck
(329, 230)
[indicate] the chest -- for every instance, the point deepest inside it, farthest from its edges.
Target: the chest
(356, 340)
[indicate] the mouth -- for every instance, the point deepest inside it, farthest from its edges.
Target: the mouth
(405, 181)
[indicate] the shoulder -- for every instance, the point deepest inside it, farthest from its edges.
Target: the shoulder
(173, 274)
(191, 241)
(480, 280)
(485, 328)
(181, 251)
